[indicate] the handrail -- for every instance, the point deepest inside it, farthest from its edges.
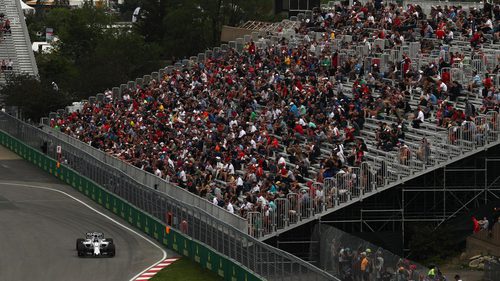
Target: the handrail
(413, 166)
(151, 180)
(26, 38)
(269, 262)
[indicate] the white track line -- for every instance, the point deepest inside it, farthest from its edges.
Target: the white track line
(104, 215)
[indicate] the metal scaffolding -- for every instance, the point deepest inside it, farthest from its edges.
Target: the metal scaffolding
(434, 198)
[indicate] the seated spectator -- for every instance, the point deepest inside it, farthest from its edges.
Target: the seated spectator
(254, 125)
(419, 119)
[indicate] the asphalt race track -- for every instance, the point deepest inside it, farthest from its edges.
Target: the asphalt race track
(39, 228)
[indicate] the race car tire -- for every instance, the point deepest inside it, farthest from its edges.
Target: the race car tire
(110, 240)
(79, 242)
(111, 250)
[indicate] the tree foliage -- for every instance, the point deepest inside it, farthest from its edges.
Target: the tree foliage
(186, 27)
(34, 98)
(93, 55)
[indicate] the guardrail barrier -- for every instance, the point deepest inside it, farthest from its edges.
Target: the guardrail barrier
(206, 256)
(216, 245)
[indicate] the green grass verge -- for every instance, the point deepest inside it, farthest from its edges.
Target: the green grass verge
(185, 270)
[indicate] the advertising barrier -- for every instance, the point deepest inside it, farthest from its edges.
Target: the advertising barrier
(202, 254)
(101, 180)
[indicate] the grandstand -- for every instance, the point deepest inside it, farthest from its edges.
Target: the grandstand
(287, 125)
(15, 44)
(375, 162)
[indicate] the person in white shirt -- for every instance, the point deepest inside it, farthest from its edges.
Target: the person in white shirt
(419, 119)
(158, 173)
(442, 88)
(239, 186)
(281, 161)
(242, 133)
(219, 168)
(182, 176)
(450, 35)
(253, 144)
(233, 123)
(230, 207)
(230, 168)
(371, 19)
(252, 128)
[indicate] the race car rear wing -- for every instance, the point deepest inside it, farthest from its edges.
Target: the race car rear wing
(94, 235)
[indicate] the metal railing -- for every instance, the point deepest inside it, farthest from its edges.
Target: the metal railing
(153, 181)
(357, 182)
(393, 167)
(26, 36)
(269, 262)
(491, 271)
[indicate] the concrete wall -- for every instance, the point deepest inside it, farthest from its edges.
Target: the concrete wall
(481, 244)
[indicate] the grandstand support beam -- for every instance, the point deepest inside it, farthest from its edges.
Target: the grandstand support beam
(395, 185)
(380, 220)
(486, 190)
(445, 218)
(423, 201)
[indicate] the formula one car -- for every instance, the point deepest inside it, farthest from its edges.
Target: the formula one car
(94, 244)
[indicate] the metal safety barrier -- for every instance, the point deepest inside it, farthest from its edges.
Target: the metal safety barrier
(415, 49)
(491, 271)
(457, 75)
(330, 190)
(478, 65)
(268, 262)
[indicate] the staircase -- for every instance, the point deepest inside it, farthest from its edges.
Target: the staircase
(443, 152)
(16, 46)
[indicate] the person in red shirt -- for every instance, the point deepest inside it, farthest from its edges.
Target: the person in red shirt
(476, 39)
(445, 77)
(476, 228)
(299, 129)
(487, 82)
(251, 48)
(381, 34)
(440, 34)
(397, 22)
(406, 64)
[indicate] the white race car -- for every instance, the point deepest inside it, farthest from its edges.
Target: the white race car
(95, 244)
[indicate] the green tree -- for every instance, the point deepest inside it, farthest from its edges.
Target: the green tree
(34, 98)
(62, 70)
(185, 27)
(117, 58)
(151, 25)
(78, 30)
(92, 54)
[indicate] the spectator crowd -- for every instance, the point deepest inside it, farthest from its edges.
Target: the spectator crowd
(4, 26)
(243, 129)
(4, 30)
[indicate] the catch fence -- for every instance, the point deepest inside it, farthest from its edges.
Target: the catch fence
(337, 252)
(266, 261)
